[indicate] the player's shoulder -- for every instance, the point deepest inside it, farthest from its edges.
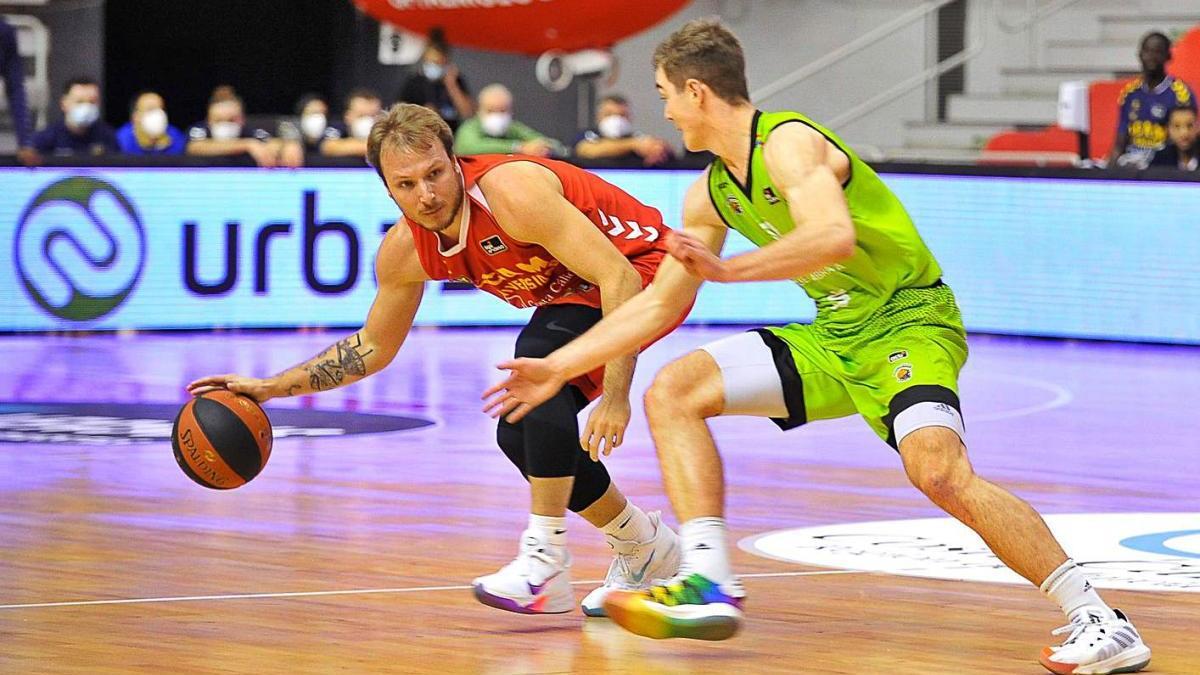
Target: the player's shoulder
(698, 200)
(793, 138)
(397, 260)
(515, 169)
(518, 184)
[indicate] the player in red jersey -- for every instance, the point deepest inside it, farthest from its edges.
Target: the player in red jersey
(536, 233)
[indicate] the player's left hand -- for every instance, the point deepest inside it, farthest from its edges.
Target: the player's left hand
(695, 256)
(530, 383)
(606, 424)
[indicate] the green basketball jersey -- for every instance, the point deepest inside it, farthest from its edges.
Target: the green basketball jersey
(889, 254)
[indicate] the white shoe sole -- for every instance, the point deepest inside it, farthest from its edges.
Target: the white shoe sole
(1128, 661)
(527, 605)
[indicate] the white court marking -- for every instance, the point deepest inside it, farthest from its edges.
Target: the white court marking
(1062, 396)
(359, 591)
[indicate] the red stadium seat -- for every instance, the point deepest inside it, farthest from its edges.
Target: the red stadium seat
(1102, 110)
(1185, 58)
(1051, 146)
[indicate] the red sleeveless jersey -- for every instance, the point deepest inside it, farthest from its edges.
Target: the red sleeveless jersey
(525, 274)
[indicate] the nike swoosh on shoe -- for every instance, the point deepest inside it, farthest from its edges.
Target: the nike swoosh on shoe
(637, 578)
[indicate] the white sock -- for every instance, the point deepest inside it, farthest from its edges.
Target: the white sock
(550, 529)
(631, 524)
(705, 549)
(1070, 588)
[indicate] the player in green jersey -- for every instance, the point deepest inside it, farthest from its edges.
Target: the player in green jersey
(887, 343)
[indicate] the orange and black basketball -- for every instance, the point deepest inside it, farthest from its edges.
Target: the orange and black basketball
(222, 440)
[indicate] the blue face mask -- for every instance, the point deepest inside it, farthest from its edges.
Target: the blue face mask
(433, 71)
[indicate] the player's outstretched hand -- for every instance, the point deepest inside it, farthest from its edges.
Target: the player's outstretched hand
(695, 257)
(257, 389)
(530, 383)
(606, 424)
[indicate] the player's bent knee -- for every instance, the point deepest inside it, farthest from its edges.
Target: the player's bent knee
(936, 463)
(688, 386)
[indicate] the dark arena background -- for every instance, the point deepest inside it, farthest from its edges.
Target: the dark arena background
(135, 262)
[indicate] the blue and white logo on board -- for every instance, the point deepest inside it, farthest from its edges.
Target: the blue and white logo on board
(79, 248)
(1127, 551)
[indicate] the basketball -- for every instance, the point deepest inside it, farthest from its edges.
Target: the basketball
(221, 440)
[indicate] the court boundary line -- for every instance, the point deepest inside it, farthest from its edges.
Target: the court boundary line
(352, 591)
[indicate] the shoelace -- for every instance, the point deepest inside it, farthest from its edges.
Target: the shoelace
(622, 569)
(677, 591)
(1077, 629)
(619, 572)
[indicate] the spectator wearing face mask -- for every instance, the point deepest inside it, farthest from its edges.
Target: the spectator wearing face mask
(1180, 151)
(148, 131)
(224, 133)
(363, 107)
(613, 136)
(311, 127)
(81, 131)
(494, 131)
(438, 85)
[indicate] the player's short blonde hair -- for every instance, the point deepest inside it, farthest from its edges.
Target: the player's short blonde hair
(705, 50)
(408, 127)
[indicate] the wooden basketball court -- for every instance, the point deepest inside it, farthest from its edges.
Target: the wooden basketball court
(355, 553)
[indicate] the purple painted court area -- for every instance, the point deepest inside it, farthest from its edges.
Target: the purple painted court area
(1056, 420)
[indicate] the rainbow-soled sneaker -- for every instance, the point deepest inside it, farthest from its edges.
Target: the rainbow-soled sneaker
(694, 607)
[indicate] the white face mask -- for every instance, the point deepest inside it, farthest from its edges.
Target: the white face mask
(615, 126)
(154, 122)
(225, 131)
(83, 114)
(361, 127)
(495, 124)
(433, 71)
(313, 125)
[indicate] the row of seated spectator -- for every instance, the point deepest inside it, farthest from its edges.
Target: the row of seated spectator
(224, 131)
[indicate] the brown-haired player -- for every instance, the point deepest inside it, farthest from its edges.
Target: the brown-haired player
(887, 343)
(536, 233)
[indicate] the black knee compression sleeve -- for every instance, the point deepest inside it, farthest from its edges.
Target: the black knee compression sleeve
(591, 478)
(512, 443)
(545, 444)
(591, 482)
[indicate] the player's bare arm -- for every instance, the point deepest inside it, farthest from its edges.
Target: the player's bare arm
(369, 350)
(527, 201)
(532, 381)
(810, 172)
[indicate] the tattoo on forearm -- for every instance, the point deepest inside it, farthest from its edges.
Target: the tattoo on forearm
(347, 359)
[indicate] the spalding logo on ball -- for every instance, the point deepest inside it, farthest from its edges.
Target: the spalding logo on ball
(222, 440)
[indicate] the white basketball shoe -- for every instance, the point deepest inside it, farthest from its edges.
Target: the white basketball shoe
(1097, 645)
(636, 565)
(537, 582)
